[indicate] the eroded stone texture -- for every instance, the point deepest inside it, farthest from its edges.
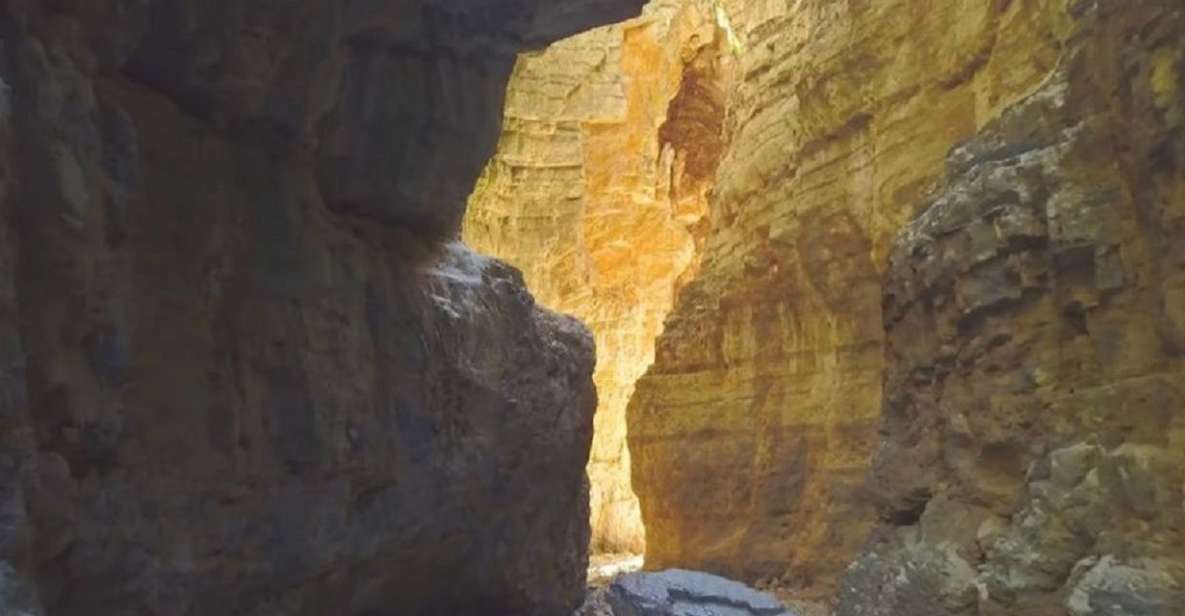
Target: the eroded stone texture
(240, 373)
(1033, 448)
(598, 193)
(751, 433)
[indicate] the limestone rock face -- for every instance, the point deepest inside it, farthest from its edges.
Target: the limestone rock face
(751, 434)
(241, 370)
(1034, 419)
(598, 193)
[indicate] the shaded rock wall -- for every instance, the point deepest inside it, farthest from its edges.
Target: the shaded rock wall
(1033, 452)
(241, 371)
(598, 193)
(752, 432)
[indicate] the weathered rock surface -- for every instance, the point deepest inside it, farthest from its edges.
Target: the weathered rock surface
(751, 434)
(240, 371)
(598, 193)
(677, 592)
(1033, 448)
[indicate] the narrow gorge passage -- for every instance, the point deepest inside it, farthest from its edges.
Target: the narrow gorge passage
(416, 307)
(844, 369)
(598, 193)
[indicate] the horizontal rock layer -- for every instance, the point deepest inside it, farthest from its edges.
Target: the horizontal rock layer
(752, 432)
(1033, 448)
(240, 373)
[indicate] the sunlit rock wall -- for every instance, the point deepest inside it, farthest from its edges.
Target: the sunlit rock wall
(598, 194)
(752, 432)
(1033, 452)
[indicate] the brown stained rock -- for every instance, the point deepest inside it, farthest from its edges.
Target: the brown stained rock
(1032, 380)
(241, 371)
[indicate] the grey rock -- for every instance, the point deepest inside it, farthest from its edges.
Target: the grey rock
(1110, 588)
(678, 592)
(910, 577)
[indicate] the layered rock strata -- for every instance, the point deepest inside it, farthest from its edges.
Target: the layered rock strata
(1033, 448)
(242, 370)
(752, 432)
(598, 193)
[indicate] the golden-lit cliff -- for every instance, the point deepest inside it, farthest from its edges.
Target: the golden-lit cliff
(752, 432)
(921, 258)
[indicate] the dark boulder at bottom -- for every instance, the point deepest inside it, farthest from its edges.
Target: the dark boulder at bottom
(678, 592)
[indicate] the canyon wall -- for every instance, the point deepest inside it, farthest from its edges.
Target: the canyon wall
(1033, 452)
(752, 432)
(243, 368)
(598, 194)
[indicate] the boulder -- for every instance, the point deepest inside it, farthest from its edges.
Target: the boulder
(678, 592)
